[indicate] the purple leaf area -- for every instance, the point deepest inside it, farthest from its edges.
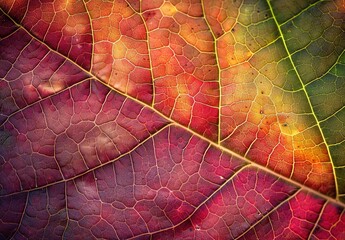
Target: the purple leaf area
(70, 133)
(158, 119)
(31, 70)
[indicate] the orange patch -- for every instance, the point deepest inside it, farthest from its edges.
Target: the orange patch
(123, 31)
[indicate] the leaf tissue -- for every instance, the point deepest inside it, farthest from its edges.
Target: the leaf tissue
(175, 119)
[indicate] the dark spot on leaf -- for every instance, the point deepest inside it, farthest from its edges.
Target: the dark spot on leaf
(339, 210)
(149, 15)
(5, 137)
(285, 124)
(262, 112)
(233, 30)
(262, 92)
(317, 228)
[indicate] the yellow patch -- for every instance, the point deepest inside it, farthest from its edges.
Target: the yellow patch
(119, 50)
(168, 9)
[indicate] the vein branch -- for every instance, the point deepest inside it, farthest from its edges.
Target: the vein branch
(228, 151)
(304, 89)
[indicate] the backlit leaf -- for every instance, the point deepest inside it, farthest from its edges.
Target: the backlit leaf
(158, 119)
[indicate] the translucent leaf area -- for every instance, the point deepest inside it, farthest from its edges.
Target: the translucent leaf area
(176, 119)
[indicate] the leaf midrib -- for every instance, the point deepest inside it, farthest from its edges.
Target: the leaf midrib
(228, 151)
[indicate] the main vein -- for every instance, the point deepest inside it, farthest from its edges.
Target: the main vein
(226, 150)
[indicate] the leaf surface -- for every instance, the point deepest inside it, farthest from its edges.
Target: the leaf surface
(172, 119)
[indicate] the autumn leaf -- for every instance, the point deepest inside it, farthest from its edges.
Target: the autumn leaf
(158, 119)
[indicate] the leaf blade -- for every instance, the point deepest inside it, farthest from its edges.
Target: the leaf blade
(171, 156)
